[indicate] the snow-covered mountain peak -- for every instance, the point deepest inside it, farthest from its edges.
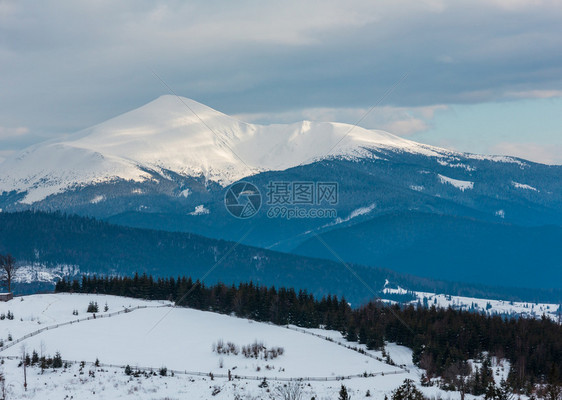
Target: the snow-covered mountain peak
(181, 135)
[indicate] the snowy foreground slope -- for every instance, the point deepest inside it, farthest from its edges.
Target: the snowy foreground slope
(181, 340)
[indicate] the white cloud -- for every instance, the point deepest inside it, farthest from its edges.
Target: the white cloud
(534, 94)
(402, 121)
(9, 133)
(67, 65)
(545, 154)
(519, 5)
(406, 127)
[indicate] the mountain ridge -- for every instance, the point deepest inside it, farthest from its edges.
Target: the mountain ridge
(97, 247)
(193, 140)
(390, 175)
(461, 248)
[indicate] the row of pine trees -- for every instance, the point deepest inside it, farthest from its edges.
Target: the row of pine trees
(442, 339)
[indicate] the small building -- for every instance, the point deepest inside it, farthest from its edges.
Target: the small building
(6, 296)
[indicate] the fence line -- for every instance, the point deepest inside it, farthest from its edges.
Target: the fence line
(194, 373)
(232, 376)
(75, 321)
(360, 351)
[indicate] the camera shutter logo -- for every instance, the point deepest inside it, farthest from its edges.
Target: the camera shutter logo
(242, 200)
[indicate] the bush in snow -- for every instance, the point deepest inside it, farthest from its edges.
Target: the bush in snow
(9, 316)
(289, 391)
(258, 350)
(93, 307)
(57, 360)
(229, 348)
(254, 350)
(34, 357)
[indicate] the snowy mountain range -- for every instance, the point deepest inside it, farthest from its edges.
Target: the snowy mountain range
(179, 135)
(401, 205)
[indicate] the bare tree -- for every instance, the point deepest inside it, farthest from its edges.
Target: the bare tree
(23, 361)
(2, 386)
(289, 391)
(7, 269)
(458, 374)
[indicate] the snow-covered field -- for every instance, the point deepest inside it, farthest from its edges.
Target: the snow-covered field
(461, 185)
(137, 338)
(38, 272)
(181, 340)
(491, 307)
(35, 312)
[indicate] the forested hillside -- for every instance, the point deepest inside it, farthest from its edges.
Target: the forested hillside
(443, 340)
(99, 247)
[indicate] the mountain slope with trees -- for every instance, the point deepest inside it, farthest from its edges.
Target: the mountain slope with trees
(462, 249)
(98, 247)
(443, 340)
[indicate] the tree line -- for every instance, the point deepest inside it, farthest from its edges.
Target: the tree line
(443, 340)
(99, 247)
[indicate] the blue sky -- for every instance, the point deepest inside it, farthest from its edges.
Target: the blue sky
(482, 76)
(529, 128)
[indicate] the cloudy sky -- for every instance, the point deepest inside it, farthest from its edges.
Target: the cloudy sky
(480, 76)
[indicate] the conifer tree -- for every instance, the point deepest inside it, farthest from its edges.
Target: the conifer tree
(407, 391)
(57, 360)
(343, 393)
(34, 357)
(504, 392)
